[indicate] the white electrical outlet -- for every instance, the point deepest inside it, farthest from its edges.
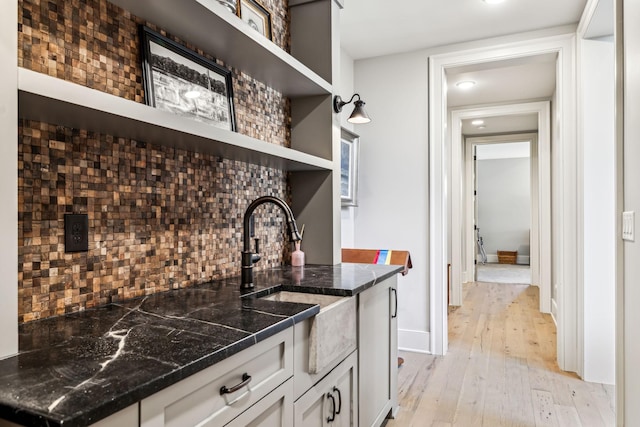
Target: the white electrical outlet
(628, 226)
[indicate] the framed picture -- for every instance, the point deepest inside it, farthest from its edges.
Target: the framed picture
(179, 80)
(349, 146)
(254, 14)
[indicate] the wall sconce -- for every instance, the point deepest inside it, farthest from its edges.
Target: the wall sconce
(359, 116)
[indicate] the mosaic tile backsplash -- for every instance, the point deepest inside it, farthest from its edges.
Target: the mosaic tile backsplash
(159, 218)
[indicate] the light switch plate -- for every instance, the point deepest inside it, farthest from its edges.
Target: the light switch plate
(628, 226)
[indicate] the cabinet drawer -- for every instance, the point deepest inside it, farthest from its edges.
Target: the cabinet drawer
(275, 410)
(197, 400)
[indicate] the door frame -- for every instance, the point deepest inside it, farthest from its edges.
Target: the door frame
(470, 214)
(462, 238)
(564, 245)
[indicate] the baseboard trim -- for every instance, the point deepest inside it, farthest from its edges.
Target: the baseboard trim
(414, 341)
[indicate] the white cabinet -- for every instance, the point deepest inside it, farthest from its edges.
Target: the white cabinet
(246, 378)
(274, 410)
(333, 402)
(378, 350)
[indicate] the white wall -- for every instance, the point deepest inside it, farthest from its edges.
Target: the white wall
(597, 91)
(8, 177)
(346, 89)
(393, 188)
(631, 164)
(393, 206)
(504, 204)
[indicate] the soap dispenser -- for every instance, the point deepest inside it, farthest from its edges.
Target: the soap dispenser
(297, 257)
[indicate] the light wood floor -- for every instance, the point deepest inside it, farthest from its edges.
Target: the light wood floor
(500, 370)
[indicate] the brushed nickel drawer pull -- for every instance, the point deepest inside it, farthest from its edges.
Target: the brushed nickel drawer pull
(246, 379)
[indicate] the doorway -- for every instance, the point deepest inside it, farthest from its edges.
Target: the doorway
(501, 194)
(444, 182)
(464, 237)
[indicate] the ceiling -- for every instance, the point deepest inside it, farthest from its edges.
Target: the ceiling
(380, 27)
(501, 124)
(503, 81)
(371, 28)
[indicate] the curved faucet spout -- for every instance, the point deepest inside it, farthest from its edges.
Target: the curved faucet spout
(248, 257)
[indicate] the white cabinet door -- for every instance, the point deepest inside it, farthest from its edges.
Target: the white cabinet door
(274, 410)
(333, 401)
(377, 347)
(345, 393)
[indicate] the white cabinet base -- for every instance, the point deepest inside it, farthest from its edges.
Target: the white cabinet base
(334, 398)
(378, 350)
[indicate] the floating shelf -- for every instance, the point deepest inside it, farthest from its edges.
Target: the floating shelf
(53, 100)
(210, 26)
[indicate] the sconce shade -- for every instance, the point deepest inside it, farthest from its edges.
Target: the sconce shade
(358, 116)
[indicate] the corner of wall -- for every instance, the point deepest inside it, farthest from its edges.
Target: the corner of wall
(9, 178)
(346, 86)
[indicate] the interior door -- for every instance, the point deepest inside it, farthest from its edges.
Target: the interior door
(475, 212)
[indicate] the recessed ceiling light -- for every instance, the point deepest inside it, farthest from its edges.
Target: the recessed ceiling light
(493, 1)
(477, 122)
(482, 127)
(466, 84)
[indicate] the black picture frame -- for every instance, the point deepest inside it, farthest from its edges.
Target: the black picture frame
(256, 16)
(181, 81)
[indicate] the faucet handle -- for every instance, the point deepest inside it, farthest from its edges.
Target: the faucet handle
(255, 257)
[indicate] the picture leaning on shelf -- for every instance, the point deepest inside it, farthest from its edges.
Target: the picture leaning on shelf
(256, 16)
(178, 80)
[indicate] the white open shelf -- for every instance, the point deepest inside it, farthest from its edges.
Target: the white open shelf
(211, 27)
(54, 100)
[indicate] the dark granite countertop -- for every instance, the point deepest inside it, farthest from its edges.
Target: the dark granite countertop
(76, 369)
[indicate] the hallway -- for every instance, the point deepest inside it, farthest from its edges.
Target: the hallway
(500, 370)
(504, 273)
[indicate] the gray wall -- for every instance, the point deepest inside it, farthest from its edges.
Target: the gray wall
(393, 190)
(504, 204)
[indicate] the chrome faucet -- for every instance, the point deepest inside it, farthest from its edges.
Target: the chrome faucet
(249, 258)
